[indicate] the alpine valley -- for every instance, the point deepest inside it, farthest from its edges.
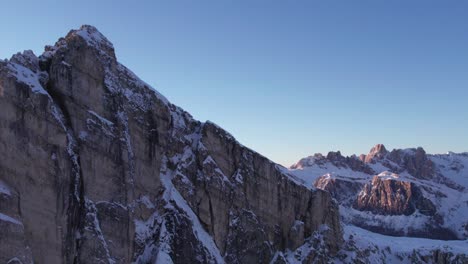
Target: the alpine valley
(98, 167)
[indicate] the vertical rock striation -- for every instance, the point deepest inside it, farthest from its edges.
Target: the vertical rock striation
(97, 167)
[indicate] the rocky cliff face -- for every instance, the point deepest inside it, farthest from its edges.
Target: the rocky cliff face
(97, 167)
(393, 197)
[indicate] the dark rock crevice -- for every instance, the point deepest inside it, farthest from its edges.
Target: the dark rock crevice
(76, 210)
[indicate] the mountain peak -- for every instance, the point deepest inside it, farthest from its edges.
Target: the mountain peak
(378, 151)
(92, 36)
(86, 35)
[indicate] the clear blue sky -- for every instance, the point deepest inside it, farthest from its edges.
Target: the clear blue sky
(287, 78)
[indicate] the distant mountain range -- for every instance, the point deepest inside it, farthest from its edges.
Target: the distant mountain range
(399, 193)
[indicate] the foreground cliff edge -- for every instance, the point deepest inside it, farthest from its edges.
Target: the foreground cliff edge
(97, 167)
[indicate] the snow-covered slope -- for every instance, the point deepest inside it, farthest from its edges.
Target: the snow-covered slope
(363, 246)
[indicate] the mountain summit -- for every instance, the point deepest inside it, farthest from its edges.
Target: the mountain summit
(378, 151)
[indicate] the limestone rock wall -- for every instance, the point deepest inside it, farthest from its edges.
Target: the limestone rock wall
(97, 167)
(393, 197)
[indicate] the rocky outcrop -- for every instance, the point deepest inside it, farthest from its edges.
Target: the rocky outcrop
(342, 189)
(415, 161)
(377, 152)
(393, 197)
(352, 162)
(336, 159)
(100, 168)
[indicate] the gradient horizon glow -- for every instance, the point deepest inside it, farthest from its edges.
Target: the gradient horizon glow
(286, 78)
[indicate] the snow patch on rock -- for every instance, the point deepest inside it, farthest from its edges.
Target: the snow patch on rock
(6, 218)
(171, 194)
(4, 189)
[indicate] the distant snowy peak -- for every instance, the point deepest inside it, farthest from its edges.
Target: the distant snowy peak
(413, 161)
(90, 35)
(332, 157)
(316, 159)
(378, 151)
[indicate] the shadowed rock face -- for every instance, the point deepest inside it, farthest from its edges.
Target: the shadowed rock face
(99, 168)
(416, 162)
(341, 189)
